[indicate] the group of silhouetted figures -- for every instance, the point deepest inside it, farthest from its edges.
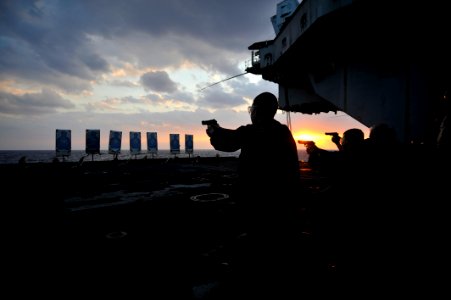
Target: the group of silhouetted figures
(377, 228)
(369, 220)
(356, 216)
(382, 205)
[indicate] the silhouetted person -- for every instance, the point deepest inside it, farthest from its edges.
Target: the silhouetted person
(350, 148)
(337, 211)
(383, 150)
(343, 165)
(394, 214)
(387, 161)
(268, 180)
(382, 135)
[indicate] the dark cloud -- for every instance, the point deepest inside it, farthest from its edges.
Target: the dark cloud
(243, 86)
(158, 81)
(73, 46)
(225, 24)
(217, 98)
(18, 62)
(39, 103)
(94, 62)
(38, 37)
(58, 38)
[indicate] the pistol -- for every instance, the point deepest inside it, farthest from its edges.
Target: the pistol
(306, 143)
(335, 134)
(210, 122)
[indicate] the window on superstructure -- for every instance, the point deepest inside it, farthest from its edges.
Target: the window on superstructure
(268, 59)
(255, 57)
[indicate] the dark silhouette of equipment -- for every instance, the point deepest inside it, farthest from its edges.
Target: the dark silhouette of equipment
(210, 122)
(334, 134)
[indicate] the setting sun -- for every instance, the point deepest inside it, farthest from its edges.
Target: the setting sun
(320, 140)
(313, 128)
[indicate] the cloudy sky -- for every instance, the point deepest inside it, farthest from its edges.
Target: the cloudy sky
(135, 65)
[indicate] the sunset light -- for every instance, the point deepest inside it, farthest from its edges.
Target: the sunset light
(103, 76)
(320, 140)
(313, 128)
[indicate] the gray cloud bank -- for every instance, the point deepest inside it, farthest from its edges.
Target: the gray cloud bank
(55, 55)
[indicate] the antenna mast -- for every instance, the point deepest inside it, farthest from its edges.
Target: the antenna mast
(222, 81)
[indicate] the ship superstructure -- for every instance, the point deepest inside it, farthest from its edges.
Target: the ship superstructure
(378, 61)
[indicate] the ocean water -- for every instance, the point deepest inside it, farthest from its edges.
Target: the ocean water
(45, 156)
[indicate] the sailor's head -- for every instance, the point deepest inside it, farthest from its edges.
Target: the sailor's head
(264, 108)
(352, 139)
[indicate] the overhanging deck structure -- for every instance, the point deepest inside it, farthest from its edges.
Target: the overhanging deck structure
(378, 61)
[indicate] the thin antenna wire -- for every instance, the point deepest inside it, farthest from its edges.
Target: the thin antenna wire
(222, 81)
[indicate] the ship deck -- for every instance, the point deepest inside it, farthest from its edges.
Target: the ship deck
(161, 228)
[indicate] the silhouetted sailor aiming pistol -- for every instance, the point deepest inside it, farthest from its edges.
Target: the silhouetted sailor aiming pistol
(265, 195)
(268, 158)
